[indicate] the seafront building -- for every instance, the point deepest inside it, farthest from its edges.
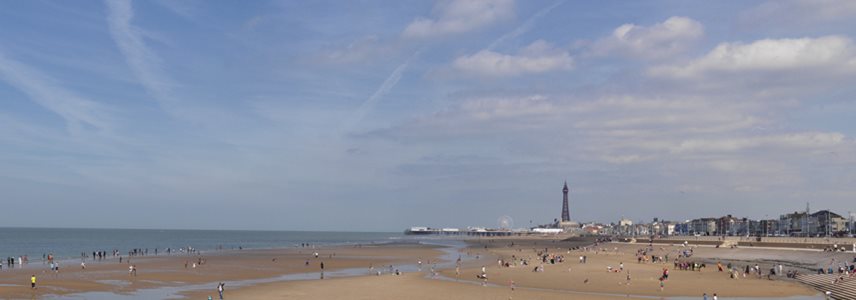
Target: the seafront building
(823, 223)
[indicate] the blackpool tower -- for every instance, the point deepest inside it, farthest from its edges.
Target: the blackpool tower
(566, 215)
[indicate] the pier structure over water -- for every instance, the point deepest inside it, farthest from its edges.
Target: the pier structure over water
(468, 232)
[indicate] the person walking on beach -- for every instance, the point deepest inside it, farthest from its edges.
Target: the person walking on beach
(33, 281)
(220, 289)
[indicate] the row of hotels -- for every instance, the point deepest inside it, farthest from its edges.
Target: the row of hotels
(822, 223)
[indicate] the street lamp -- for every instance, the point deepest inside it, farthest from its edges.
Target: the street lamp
(828, 222)
(850, 228)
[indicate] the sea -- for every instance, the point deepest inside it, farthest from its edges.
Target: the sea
(68, 243)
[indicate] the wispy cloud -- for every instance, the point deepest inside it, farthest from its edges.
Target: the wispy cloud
(801, 11)
(184, 8)
(146, 65)
(526, 26)
(539, 57)
(661, 40)
(829, 54)
(77, 111)
(459, 16)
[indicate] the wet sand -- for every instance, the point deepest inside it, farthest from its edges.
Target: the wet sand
(229, 266)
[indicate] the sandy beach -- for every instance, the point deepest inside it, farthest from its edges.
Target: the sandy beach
(569, 279)
(219, 266)
(264, 274)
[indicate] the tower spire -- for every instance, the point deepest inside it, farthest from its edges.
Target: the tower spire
(566, 215)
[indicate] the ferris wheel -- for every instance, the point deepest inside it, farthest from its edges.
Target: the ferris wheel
(505, 222)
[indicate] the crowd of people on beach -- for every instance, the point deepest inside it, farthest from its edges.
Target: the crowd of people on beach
(681, 259)
(12, 261)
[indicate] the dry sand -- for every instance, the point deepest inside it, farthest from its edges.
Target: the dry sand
(408, 286)
(567, 280)
(558, 281)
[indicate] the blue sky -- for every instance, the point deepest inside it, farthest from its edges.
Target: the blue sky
(380, 115)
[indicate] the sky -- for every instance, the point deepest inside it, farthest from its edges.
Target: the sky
(381, 115)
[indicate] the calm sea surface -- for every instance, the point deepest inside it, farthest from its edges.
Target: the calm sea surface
(69, 243)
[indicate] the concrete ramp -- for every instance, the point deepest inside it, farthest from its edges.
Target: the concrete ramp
(842, 290)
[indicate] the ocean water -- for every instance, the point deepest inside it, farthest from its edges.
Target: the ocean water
(69, 243)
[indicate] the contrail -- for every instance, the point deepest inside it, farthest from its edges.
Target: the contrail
(393, 78)
(526, 26)
(384, 88)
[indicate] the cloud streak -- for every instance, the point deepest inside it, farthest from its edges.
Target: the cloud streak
(459, 16)
(661, 40)
(78, 112)
(525, 27)
(829, 53)
(144, 63)
(539, 57)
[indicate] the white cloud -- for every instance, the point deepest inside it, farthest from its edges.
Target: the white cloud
(660, 40)
(833, 54)
(539, 57)
(685, 133)
(459, 16)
